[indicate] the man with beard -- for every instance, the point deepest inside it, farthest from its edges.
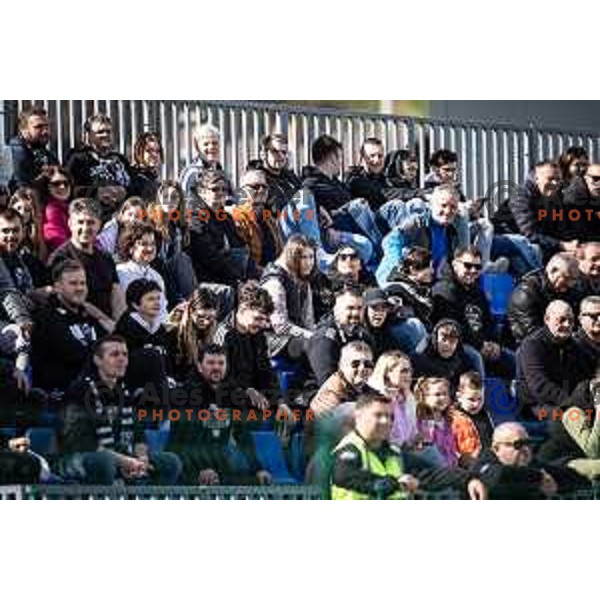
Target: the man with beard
(29, 148)
(550, 364)
(64, 330)
(256, 225)
(335, 331)
(458, 296)
(205, 445)
(97, 168)
(559, 281)
(282, 182)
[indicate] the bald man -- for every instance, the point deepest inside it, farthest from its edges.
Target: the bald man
(560, 280)
(550, 364)
(508, 470)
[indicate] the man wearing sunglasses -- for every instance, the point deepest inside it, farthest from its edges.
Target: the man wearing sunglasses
(334, 331)
(348, 382)
(588, 336)
(458, 296)
(583, 198)
(257, 225)
(29, 148)
(282, 182)
(509, 472)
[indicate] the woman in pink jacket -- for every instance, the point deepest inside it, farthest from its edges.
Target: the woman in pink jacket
(55, 187)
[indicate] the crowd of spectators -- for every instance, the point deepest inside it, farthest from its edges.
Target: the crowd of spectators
(347, 307)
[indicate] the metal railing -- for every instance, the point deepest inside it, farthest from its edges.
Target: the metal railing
(488, 152)
(119, 492)
(290, 492)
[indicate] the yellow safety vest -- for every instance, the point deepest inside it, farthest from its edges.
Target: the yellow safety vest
(392, 466)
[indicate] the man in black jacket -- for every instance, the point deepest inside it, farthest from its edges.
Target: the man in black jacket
(101, 435)
(15, 279)
(64, 330)
(589, 267)
(582, 203)
(509, 472)
(541, 192)
(242, 335)
(367, 180)
(335, 331)
(96, 163)
(559, 281)
(282, 181)
(218, 253)
(550, 364)
(29, 148)
(588, 336)
(205, 446)
(458, 296)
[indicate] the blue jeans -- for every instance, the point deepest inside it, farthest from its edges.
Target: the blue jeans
(307, 224)
(100, 468)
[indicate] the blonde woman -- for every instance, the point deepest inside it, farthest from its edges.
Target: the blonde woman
(392, 377)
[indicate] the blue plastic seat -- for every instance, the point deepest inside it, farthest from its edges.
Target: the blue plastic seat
(498, 288)
(297, 458)
(157, 439)
(270, 455)
(288, 372)
(501, 405)
(43, 440)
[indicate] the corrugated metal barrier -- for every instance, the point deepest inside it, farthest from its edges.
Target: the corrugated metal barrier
(490, 154)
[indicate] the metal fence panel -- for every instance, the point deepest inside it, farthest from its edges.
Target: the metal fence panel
(488, 152)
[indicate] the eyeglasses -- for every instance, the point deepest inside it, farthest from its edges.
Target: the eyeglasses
(517, 444)
(59, 183)
(348, 256)
(367, 364)
(593, 316)
(471, 266)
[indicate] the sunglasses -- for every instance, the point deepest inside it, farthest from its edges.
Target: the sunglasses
(593, 316)
(471, 266)
(517, 444)
(348, 256)
(59, 183)
(368, 364)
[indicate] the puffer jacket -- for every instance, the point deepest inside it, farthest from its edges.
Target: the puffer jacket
(529, 301)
